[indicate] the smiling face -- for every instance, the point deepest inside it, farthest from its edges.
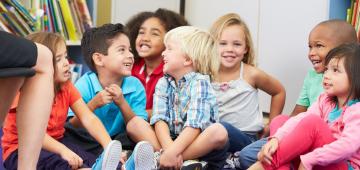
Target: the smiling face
(119, 59)
(336, 80)
(62, 70)
(232, 46)
(149, 42)
(321, 41)
(175, 59)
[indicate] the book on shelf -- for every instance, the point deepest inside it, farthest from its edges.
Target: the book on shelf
(69, 18)
(76, 71)
(353, 15)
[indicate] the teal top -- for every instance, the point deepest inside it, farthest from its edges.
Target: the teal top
(311, 89)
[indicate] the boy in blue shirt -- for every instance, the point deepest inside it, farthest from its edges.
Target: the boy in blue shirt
(116, 98)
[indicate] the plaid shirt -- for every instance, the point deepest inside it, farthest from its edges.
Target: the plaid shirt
(189, 103)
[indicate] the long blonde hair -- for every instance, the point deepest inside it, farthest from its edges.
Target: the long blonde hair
(231, 19)
(200, 46)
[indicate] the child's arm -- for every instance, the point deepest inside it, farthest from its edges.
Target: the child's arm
(101, 98)
(272, 87)
(118, 98)
(52, 145)
(345, 147)
(163, 134)
(186, 137)
(91, 122)
(298, 109)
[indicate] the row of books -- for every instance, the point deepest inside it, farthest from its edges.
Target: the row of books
(70, 18)
(353, 13)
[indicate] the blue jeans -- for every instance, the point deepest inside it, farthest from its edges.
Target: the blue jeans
(237, 139)
(248, 155)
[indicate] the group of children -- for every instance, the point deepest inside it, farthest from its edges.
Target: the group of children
(184, 98)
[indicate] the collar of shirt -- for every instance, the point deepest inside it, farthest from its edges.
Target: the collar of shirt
(125, 87)
(158, 70)
(186, 78)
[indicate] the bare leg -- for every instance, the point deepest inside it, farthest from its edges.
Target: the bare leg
(36, 97)
(8, 89)
(214, 137)
(138, 129)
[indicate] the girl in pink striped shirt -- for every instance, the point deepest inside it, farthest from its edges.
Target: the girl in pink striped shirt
(327, 136)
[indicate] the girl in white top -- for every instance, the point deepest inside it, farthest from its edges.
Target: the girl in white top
(239, 81)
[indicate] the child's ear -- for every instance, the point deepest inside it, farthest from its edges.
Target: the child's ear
(188, 62)
(98, 59)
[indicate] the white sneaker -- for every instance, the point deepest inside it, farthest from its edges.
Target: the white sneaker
(193, 165)
(156, 161)
(141, 158)
(109, 158)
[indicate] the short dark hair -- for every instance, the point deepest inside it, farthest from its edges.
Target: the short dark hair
(169, 19)
(350, 52)
(99, 40)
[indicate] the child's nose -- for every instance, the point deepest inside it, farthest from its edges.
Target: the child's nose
(66, 62)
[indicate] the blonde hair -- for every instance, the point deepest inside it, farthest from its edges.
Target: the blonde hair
(231, 19)
(200, 47)
(50, 40)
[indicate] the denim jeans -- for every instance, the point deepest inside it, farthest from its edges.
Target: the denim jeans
(248, 155)
(237, 139)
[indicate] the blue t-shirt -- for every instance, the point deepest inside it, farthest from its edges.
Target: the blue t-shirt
(110, 114)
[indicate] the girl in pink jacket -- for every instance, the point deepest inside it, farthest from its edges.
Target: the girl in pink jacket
(327, 135)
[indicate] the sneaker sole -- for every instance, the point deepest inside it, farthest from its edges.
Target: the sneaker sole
(112, 156)
(193, 166)
(143, 156)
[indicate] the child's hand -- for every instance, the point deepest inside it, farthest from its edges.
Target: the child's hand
(116, 93)
(72, 158)
(265, 154)
(170, 160)
(102, 98)
(301, 166)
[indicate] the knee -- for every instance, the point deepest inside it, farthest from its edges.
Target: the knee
(135, 124)
(44, 61)
(219, 135)
(280, 119)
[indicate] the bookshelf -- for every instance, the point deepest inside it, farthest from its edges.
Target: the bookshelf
(69, 18)
(348, 10)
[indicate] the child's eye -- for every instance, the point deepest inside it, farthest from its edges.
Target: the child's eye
(222, 43)
(121, 49)
(237, 44)
(319, 45)
(155, 34)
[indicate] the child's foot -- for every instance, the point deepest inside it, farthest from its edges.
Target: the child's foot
(141, 158)
(232, 162)
(110, 158)
(193, 165)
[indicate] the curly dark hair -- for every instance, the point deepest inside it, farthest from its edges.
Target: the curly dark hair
(168, 18)
(99, 40)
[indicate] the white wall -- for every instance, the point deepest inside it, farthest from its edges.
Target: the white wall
(124, 9)
(283, 42)
(279, 28)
